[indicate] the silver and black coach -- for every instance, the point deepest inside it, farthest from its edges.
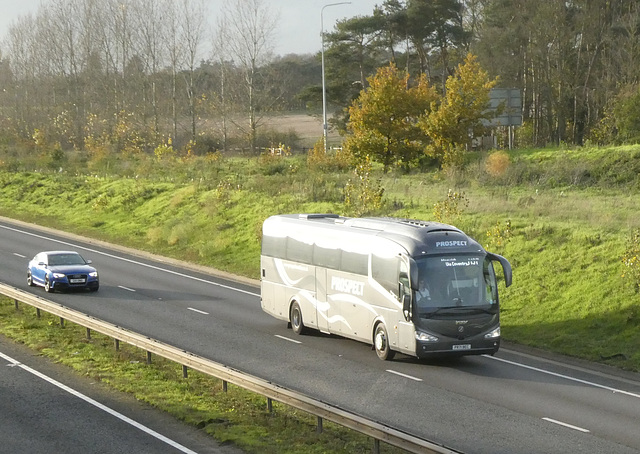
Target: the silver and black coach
(415, 287)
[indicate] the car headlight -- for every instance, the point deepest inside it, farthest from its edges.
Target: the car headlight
(493, 334)
(422, 336)
(59, 275)
(93, 274)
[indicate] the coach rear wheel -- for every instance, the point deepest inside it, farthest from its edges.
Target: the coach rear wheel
(381, 343)
(296, 319)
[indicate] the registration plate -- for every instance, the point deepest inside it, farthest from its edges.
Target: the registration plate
(76, 281)
(462, 347)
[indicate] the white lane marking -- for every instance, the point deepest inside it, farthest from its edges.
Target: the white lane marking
(198, 311)
(20, 255)
(564, 424)
(176, 273)
(98, 405)
(126, 288)
(566, 377)
(287, 339)
(410, 377)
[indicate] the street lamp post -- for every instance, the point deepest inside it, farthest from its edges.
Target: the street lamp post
(324, 91)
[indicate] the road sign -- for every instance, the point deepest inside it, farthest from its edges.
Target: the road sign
(511, 101)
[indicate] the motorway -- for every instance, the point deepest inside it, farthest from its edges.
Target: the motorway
(46, 408)
(514, 402)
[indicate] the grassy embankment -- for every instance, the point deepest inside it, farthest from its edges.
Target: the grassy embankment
(570, 213)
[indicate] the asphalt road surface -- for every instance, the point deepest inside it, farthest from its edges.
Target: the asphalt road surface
(45, 408)
(513, 402)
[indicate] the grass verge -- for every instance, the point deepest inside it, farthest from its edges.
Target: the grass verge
(236, 416)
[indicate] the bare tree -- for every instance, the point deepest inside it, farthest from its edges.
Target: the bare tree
(220, 101)
(192, 32)
(249, 40)
(150, 33)
(175, 55)
(27, 69)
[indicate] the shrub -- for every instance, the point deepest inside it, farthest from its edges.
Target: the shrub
(499, 236)
(450, 209)
(363, 195)
(631, 260)
(497, 163)
(339, 160)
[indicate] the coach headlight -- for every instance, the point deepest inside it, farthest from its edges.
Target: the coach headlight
(424, 337)
(493, 334)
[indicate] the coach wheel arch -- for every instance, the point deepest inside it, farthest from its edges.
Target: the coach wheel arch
(295, 318)
(381, 342)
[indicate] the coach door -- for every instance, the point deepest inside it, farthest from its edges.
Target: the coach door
(406, 329)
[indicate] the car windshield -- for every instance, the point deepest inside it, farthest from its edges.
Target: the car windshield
(65, 259)
(455, 281)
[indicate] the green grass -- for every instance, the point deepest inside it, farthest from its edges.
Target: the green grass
(565, 245)
(571, 214)
(236, 416)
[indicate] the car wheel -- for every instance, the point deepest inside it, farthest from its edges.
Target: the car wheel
(30, 279)
(381, 343)
(296, 319)
(94, 288)
(47, 285)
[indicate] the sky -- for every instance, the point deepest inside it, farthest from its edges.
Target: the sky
(300, 20)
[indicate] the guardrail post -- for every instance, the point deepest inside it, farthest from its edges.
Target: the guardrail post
(37, 312)
(148, 357)
(376, 446)
(61, 322)
(319, 427)
(185, 373)
(88, 333)
(269, 405)
(224, 386)
(117, 343)
(16, 303)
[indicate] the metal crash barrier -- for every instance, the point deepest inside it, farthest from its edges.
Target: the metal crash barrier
(377, 431)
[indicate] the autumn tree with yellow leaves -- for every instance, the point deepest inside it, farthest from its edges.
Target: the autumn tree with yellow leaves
(383, 120)
(395, 122)
(458, 116)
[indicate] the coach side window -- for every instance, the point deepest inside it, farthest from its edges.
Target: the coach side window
(385, 271)
(299, 251)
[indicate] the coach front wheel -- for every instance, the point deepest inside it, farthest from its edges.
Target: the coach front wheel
(381, 343)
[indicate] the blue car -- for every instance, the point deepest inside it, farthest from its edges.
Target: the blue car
(62, 270)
